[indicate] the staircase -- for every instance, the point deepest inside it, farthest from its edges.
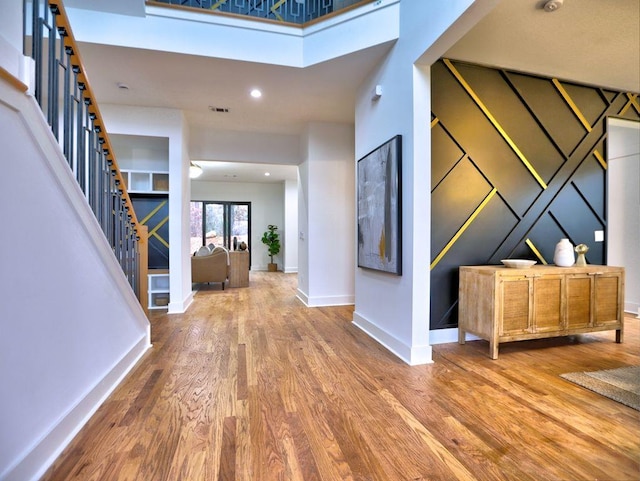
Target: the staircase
(65, 97)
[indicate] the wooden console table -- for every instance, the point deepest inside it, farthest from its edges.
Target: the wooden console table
(501, 304)
(239, 268)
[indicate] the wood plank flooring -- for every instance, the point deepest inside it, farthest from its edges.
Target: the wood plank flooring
(251, 385)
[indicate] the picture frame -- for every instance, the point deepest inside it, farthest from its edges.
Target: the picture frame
(379, 197)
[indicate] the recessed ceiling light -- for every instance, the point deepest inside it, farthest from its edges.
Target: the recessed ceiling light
(267, 174)
(256, 93)
(122, 86)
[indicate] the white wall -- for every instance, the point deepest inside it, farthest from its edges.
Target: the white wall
(328, 197)
(623, 205)
(11, 24)
(401, 320)
(134, 152)
(236, 146)
(267, 207)
(372, 24)
(290, 236)
(11, 58)
(170, 124)
(303, 225)
(70, 325)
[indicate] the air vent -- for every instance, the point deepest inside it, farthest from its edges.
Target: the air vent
(221, 110)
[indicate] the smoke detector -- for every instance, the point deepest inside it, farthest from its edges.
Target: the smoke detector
(553, 5)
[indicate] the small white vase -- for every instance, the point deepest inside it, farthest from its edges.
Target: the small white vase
(564, 255)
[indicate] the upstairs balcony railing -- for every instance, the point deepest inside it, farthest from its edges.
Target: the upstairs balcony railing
(291, 11)
(69, 105)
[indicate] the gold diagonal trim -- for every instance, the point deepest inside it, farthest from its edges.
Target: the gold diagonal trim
(217, 4)
(632, 102)
(495, 123)
(598, 156)
(153, 212)
(463, 228)
(160, 224)
(624, 109)
(434, 122)
(164, 242)
(535, 251)
(576, 111)
(633, 98)
(275, 7)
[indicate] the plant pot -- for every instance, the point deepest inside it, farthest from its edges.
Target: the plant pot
(272, 267)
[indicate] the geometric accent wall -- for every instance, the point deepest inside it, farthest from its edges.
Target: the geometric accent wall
(518, 162)
(153, 211)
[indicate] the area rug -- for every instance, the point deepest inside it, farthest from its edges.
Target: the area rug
(622, 385)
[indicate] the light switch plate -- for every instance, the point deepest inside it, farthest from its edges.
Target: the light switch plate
(599, 235)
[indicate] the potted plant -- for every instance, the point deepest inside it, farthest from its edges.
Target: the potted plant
(272, 240)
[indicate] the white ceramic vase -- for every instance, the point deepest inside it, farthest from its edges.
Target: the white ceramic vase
(564, 255)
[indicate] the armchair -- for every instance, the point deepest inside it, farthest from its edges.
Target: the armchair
(212, 267)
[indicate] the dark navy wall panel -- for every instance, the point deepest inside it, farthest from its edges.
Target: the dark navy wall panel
(518, 162)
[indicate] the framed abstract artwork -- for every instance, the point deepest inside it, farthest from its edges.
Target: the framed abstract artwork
(380, 208)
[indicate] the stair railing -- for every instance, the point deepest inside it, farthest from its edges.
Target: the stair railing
(297, 12)
(64, 94)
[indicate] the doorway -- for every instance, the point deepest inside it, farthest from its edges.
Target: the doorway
(623, 204)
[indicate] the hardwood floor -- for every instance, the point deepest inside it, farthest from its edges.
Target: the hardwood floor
(251, 385)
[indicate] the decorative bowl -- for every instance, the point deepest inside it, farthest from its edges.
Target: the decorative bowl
(518, 263)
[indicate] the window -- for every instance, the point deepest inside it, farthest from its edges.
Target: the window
(220, 223)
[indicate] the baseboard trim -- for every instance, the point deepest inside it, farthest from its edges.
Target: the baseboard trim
(632, 308)
(303, 298)
(326, 301)
(181, 307)
(46, 451)
(412, 355)
(284, 270)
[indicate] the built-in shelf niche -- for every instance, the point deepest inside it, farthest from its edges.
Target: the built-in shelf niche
(146, 182)
(158, 288)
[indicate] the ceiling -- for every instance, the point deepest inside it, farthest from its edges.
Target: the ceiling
(595, 42)
(292, 97)
(246, 172)
(592, 41)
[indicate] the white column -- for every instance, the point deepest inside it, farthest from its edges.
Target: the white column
(290, 226)
(170, 124)
(327, 217)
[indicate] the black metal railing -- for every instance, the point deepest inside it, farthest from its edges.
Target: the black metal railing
(65, 97)
(292, 11)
